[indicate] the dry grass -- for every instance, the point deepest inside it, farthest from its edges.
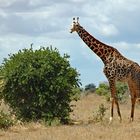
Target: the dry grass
(84, 130)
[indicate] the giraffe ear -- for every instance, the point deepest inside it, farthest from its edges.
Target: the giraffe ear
(77, 21)
(74, 20)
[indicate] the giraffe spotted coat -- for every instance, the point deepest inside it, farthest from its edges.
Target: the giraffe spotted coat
(116, 67)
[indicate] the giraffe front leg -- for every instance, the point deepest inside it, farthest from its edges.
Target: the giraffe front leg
(118, 109)
(112, 110)
(113, 90)
(114, 100)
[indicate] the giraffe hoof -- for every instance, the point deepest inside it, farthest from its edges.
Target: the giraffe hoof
(120, 119)
(110, 120)
(131, 120)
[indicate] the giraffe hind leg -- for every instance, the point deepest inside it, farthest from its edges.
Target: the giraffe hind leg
(134, 94)
(133, 101)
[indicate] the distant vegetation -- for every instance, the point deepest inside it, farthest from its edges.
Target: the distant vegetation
(39, 85)
(104, 90)
(90, 87)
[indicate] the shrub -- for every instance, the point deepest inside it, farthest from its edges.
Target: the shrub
(121, 90)
(77, 94)
(99, 115)
(39, 84)
(5, 120)
(103, 89)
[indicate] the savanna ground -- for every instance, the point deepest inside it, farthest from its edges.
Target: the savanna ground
(84, 128)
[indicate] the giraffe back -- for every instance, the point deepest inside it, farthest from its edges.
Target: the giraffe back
(119, 68)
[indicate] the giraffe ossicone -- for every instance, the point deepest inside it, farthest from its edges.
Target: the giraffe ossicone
(116, 67)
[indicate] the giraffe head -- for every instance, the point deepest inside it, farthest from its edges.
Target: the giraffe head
(75, 25)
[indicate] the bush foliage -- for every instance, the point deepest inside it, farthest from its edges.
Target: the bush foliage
(121, 90)
(39, 84)
(5, 120)
(99, 115)
(103, 89)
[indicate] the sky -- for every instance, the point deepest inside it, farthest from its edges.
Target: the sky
(47, 22)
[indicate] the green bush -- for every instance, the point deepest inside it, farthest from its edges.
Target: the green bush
(5, 120)
(103, 89)
(39, 84)
(121, 90)
(99, 115)
(77, 94)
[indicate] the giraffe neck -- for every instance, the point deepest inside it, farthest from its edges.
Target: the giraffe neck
(99, 48)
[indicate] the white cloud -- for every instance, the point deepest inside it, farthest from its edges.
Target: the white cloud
(34, 2)
(122, 45)
(108, 30)
(127, 46)
(6, 3)
(23, 22)
(2, 14)
(88, 54)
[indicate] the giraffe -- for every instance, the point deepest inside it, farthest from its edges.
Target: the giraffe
(116, 68)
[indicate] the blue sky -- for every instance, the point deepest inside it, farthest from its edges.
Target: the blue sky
(47, 22)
